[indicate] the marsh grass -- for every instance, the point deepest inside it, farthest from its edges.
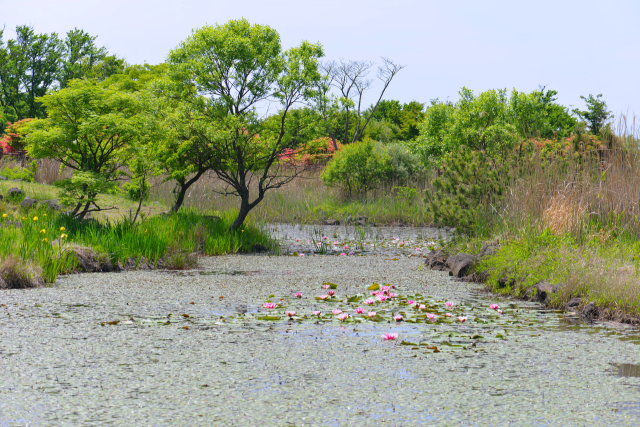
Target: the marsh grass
(572, 221)
(308, 200)
(37, 240)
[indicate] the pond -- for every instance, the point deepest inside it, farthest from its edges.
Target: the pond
(201, 348)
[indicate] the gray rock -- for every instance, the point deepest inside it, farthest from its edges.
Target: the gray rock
(89, 261)
(543, 291)
(460, 264)
(15, 193)
(504, 282)
(487, 250)
(16, 224)
(51, 204)
(3, 178)
(29, 203)
(436, 260)
(590, 311)
(348, 219)
(332, 222)
(1, 197)
(573, 303)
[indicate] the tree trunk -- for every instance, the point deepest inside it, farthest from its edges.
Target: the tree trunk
(184, 186)
(245, 207)
(82, 214)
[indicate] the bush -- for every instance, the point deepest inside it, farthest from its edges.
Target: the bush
(404, 164)
(25, 174)
(358, 167)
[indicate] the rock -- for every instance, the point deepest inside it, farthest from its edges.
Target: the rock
(436, 260)
(16, 224)
(29, 203)
(504, 282)
(131, 264)
(1, 197)
(543, 291)
(51, 204)
(590, 311)
(348, 220)
(558, 287)
(15, 193)
(332, 222)
(573, 303)
(487, 250)
(529, 294)
(260, 248)
(89, 261)
(460, 264)
(3, 178)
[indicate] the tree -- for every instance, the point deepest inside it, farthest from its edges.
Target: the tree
(80, 56)
(93, 130)
(394, 121)
(220, 75)
(349, 79)
(596, 114)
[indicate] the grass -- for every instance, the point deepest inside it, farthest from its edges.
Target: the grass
(308, 200)
(44, 238)
(574, 222)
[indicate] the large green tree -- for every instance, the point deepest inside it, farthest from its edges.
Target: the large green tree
(219, 77)
(94, 130)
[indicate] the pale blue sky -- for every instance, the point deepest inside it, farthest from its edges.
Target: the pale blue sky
(575, 47)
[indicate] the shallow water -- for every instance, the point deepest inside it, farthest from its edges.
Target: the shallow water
(160, 348)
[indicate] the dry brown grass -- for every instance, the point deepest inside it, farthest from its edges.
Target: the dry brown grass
(17, 274)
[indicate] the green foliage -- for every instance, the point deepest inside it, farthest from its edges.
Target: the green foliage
(492, 121)
(358, 167)
(404, 164)
(136, 189)
(236, 66)
(92, 130)
(393, 121)
(470, 183)
(596, 114)
(25, 174)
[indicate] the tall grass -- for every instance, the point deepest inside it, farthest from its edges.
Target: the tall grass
(44, 238)
(572, 219)
(308, 200)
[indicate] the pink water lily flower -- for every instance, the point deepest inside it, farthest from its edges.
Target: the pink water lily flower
(431, 316)
(397, 318)
(382, 298)
(389, 336)
(418, 249)
(326, 286)
(343, 254)
(300, 254)
(343, 316)
(297, 240)
(369, 301)
(324, 238)
(336, 311)
(422, 307)
(410, 301)
(462, 319)
(449, 304)
(315, 313)
(373, 246)
(448, 314)
(290, 313)
(323, 296)
(318, 244)
(391, 295)
(494, 306)
(307, 241)
(384, 288)
(346, 246)
(351, 253)
(359, 310)
(374, 293)
(269, 305)
(331, 293)
(371, 314)
(298, 295)
(499, 311)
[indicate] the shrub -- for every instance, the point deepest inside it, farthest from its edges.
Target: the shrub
(17, 274)
(358, 167)
(12, 140)
(404, 164)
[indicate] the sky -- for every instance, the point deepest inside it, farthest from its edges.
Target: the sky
(575, 47)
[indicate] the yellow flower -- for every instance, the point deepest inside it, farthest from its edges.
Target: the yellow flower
(35, 218)
(24, 218)
(4, 215)
(44, 214)
(62, 228)
(63, 236)
(45, 240)
(43, 231)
